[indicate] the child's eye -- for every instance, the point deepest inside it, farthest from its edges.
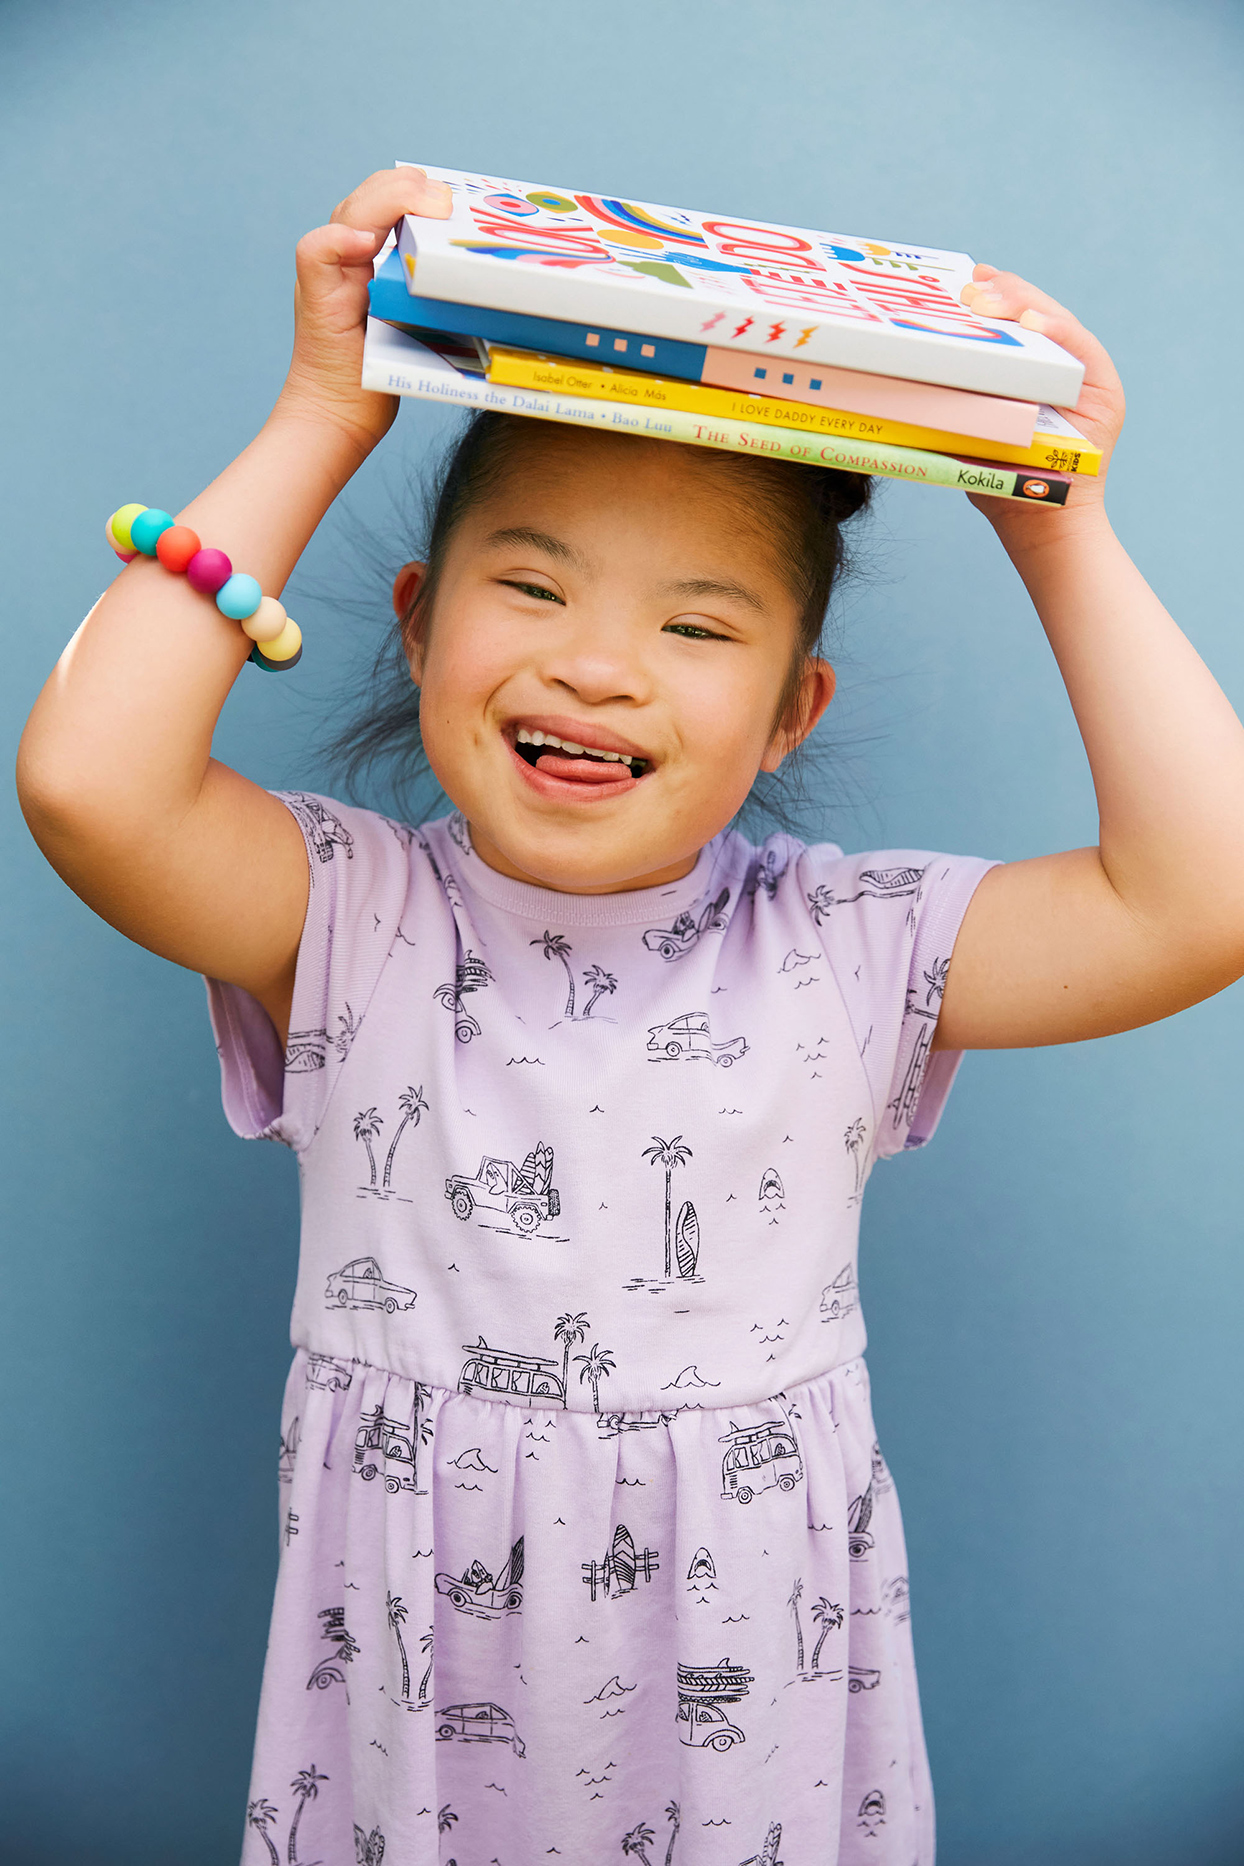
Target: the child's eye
(531, 589)
(693, 632)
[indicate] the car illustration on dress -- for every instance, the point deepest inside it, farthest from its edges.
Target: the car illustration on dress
(759, 1457)
(702, 1690)
(685, 932)
(862, 1678)
(478, 1594)
(478, 1723)
(497, 1370)
(324, 1371)
(361, 1286)
(706, 1726)
(524, 1193)
(688, 1035)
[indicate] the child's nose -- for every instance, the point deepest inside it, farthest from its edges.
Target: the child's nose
(598, 663)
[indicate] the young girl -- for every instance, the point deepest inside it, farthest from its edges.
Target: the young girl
(589, 1550)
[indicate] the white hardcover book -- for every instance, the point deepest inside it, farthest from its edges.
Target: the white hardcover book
(764, 288)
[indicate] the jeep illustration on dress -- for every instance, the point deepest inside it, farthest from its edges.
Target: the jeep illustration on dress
(687, 929)
(359, 1285)
(524, 1193)
(478, 1594)
(689, 1035)
(478, 1723)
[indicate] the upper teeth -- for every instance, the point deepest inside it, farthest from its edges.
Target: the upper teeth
(568, 745)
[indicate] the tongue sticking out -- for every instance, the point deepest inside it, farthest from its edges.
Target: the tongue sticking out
(583, 770)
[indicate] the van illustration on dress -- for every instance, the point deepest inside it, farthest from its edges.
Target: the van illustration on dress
(497, 1370)
(759, 1457)
(524, 1193)
(360, 1285)
(702, 1690)
(622, 1566)
(387, 1445)
(478, 1594)
(324, 1371)
(687, 930)
(688, 1036)
(478, 1723)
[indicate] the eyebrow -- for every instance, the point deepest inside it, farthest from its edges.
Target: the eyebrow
(713, 586)
(539, 541)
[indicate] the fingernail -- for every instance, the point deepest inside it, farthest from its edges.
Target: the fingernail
(987, 303)
(1033, 320)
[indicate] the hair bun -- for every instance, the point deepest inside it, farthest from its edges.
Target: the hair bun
(841, 495)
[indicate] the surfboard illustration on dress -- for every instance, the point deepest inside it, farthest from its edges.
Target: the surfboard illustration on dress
(288, 1452)
(479, 1594)
(702, 1690)
(368, 1847)
(682, 1238)
(675, 941)
(622, 1566)
(768, 1854)
(859, 1541)
(759, 1458)
(879, 884)
(903, 1107)
(331, 1669)
(524, 1194)
(470, 974)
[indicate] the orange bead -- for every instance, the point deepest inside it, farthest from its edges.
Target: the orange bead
(176, 546)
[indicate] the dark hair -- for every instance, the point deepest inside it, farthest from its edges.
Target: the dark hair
(803, 509)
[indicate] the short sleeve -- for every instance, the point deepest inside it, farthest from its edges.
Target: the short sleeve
(359, 872)
(888, 922)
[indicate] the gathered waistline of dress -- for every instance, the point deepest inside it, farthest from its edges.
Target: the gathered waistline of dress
(336, 1371)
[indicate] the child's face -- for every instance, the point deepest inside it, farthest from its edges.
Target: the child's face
(609, 596)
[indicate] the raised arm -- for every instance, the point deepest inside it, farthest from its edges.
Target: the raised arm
(115, 771)
(1151, 920)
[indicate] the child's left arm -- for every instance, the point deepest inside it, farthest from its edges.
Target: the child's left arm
(1152, 919)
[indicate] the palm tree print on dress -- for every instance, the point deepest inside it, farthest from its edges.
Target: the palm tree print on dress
(367, 1125)
(524, 1194)
(570, 1330)
(427, 1650)
(397, 1619)
(596, 1365)
(557, 946)
(470, 974)
(412, 1105)
(682, 1241)
(331, 1668)
(306, 1785)
(768, 1854)
(828, 1616)
(599, 982)
(260, 1815)
(853, 1140)
(640, 1837)
(482, 1596)
(880, 884)
(621, 1567)
(345, 1036)
(702, 1690)
(687, 930)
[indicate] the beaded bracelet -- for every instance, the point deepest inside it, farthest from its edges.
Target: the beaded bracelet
(135, 530)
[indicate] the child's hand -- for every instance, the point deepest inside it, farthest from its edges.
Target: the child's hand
(1098, 414)
(330, 301)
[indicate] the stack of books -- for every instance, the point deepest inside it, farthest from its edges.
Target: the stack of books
(816, 347)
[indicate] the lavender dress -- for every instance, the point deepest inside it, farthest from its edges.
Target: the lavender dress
(588, 1549)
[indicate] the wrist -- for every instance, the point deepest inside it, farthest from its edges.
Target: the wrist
(344, 433)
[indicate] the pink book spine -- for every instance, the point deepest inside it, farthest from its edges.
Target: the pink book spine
(889, 398)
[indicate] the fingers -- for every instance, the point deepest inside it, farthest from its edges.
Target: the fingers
(1003, 295)
(378, 203)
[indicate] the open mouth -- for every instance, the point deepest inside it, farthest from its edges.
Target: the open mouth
(571, 762)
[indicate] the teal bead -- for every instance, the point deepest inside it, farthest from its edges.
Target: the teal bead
(146, 528)
(237, 598)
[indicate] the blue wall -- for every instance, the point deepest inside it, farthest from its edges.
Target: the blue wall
(1055, 1290)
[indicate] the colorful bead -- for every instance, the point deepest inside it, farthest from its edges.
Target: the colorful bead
(239, 597)
(281, 647)
(274, 667)
(146, 528)
(208, 571)
(119, 528)
(176, 546)
(267, 622)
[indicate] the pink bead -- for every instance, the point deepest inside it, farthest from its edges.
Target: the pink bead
(207, 571)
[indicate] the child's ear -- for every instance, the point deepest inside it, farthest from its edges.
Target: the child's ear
(816, 690)
(405, 587)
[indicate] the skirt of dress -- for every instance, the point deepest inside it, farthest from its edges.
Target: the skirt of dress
(504, 1635)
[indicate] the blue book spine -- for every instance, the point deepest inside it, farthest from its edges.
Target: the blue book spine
(659, 356)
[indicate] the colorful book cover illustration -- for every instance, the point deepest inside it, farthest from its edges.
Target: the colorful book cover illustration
(395, 363)
(1056, 446)
(924, 404)
(742, 284)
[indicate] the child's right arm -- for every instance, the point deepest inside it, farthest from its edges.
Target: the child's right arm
(115, 771)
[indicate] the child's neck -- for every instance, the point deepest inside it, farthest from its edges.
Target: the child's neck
(494, 858)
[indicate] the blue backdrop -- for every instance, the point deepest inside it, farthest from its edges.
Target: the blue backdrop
(1055, 1290)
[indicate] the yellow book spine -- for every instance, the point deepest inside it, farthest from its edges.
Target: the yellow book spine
(525, 369)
